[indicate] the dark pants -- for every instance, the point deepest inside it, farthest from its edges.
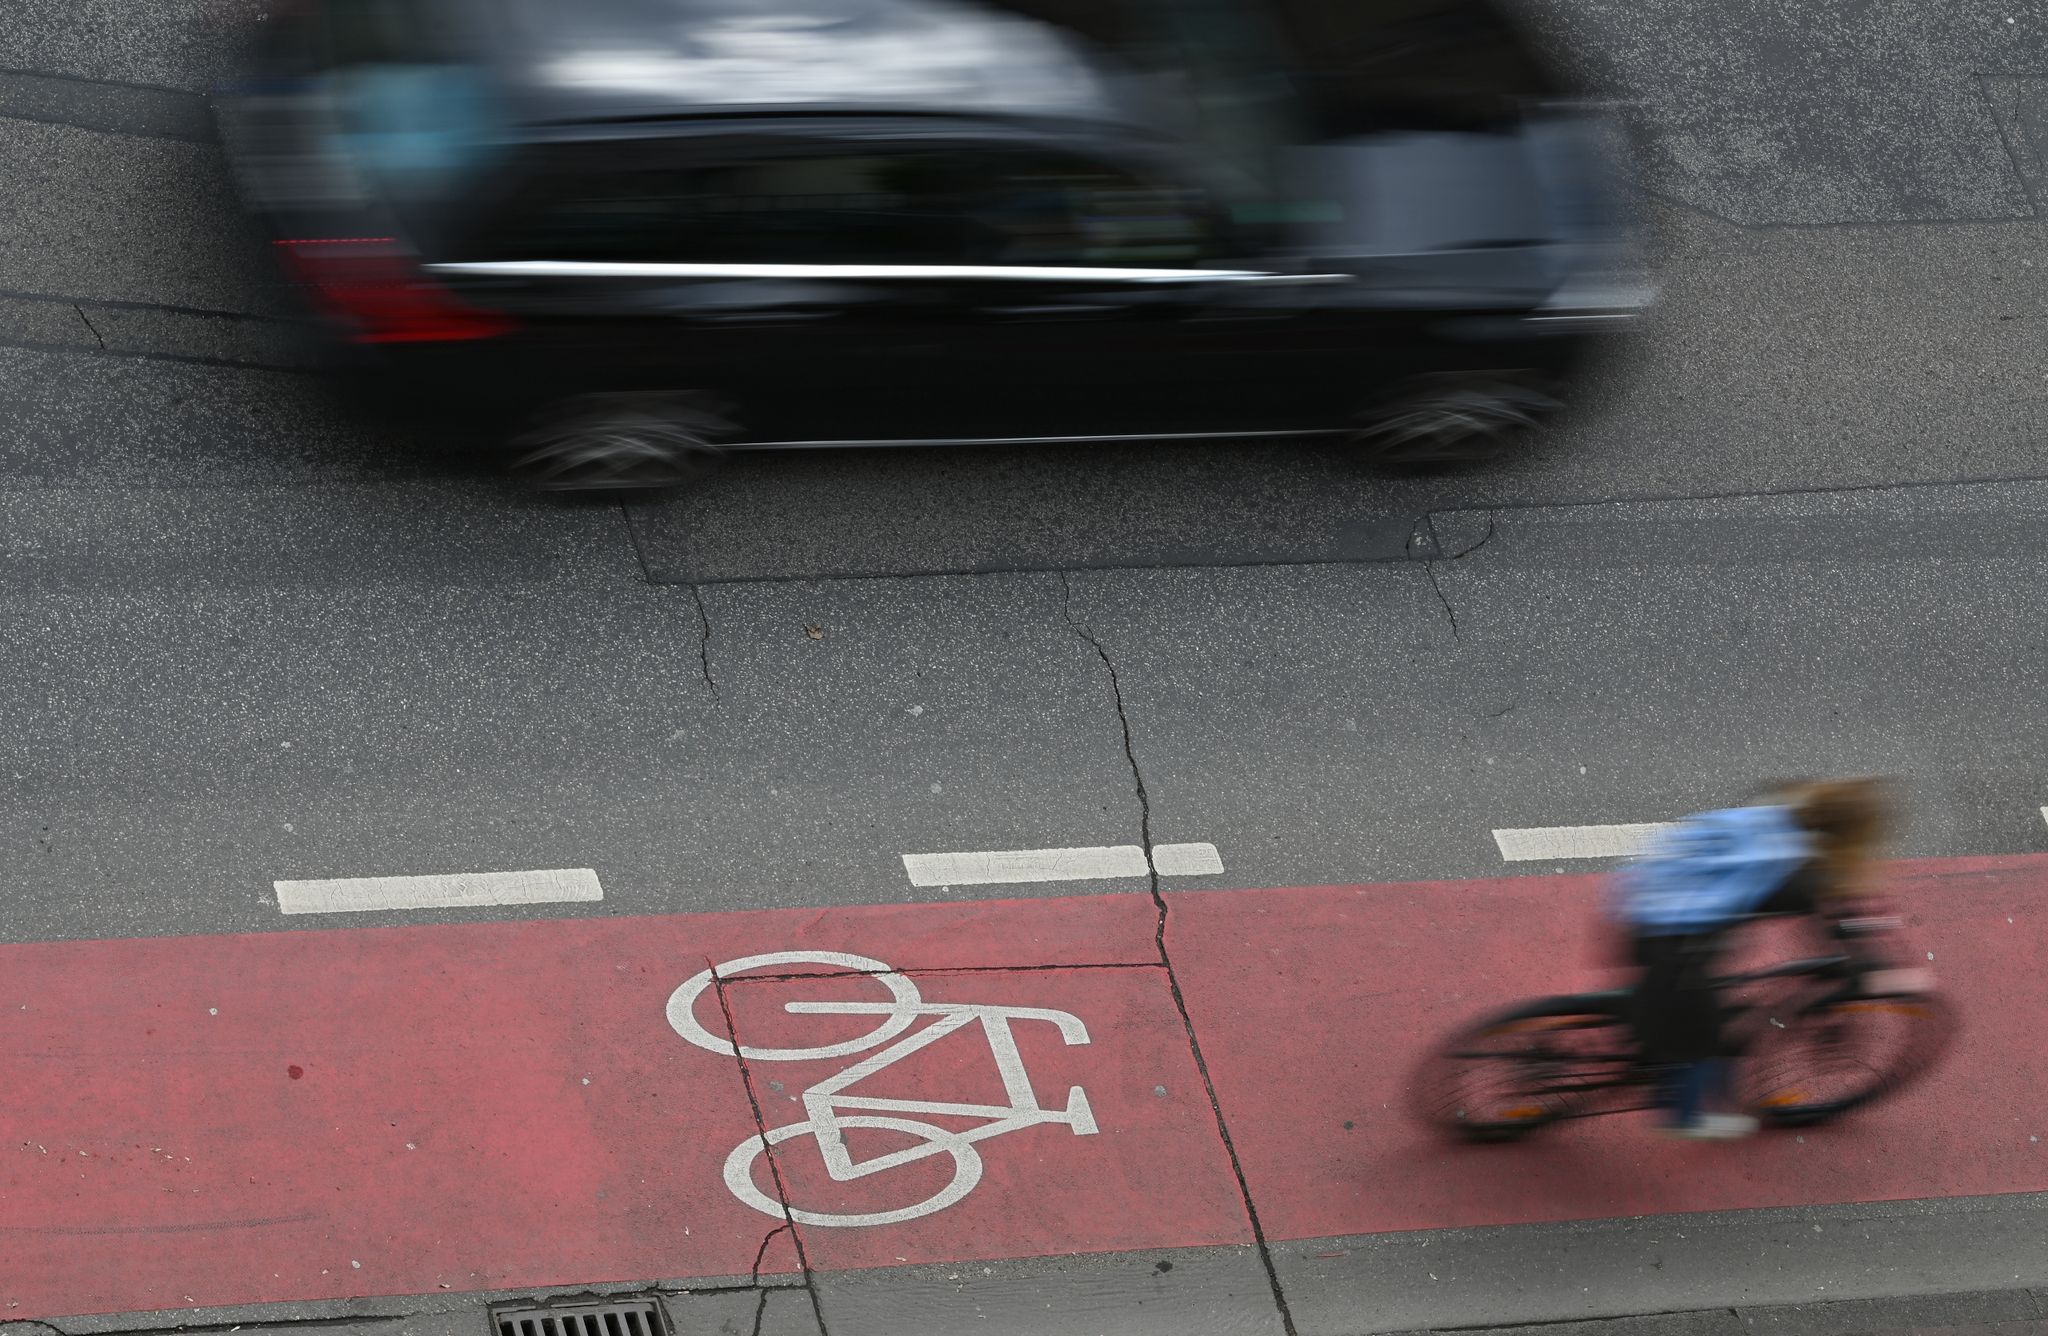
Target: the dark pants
(1677, 1015)
(1679, 1020)
(1693, 1086)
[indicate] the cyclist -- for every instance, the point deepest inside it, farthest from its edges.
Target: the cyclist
(1803, 848)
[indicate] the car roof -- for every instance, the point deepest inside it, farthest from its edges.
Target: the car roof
(644, 59)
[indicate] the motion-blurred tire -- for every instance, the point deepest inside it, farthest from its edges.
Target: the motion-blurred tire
(620, 443)
(1456, 420)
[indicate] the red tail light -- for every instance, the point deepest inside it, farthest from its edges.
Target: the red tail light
(375, 286)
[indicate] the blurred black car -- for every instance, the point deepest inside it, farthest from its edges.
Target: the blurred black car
(629, 234)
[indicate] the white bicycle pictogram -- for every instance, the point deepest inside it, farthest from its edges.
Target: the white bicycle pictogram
(831, 1111)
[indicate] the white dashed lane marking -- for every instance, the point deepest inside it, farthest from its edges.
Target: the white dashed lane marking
(998, 866)
(1547, 843)
(459, 890)
(1186, 860)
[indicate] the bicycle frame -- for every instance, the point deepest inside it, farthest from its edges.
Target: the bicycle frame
(1589, 1075)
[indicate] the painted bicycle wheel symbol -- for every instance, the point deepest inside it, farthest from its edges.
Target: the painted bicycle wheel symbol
(898, 1033)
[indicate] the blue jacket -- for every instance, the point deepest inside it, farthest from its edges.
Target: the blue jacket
(1709, 870)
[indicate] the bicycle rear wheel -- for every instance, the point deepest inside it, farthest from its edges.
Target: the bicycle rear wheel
(1525, 1068)
(1841, 1051)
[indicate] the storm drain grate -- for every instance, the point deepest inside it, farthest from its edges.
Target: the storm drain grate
(607, 1317)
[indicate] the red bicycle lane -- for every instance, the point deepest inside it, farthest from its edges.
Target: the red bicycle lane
(197, 1122)
(352, 1112)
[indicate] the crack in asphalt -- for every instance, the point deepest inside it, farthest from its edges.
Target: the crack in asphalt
(703, 639)
(761, 1303)
(1470, 548)
(761, 1253)
(696, 598)
(1430, 565)
(1116, 692)
(803, 1259)
(89, 325)
(1173, 987)
(1436, 586)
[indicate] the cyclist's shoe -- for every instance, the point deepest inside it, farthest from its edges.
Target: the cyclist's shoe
(1712, 1127)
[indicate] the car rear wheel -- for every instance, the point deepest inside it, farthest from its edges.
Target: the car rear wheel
(620, 442)
(1458, 419)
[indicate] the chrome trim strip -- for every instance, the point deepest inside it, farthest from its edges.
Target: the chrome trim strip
(1038, 440)
(1024, 273)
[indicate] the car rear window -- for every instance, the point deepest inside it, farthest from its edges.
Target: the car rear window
(952, 206)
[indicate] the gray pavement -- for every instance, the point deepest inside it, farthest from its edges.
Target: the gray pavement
(1799, 525)
(236, 686)
(182, 45)
(125, 217)
(1963, 1266)
(1716, 1265)
(1766, 118)
(1602, 663)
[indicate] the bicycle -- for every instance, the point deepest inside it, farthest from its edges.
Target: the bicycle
(1819, 1037)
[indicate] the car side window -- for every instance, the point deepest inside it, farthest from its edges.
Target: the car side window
(949, 205)
(1058, 209)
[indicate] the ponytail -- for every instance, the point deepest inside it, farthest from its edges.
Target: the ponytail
(1848, 819)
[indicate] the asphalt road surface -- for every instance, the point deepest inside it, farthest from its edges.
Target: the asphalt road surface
(246, 639)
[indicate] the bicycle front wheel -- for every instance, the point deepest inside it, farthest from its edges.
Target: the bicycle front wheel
(1512, 1073)
(1843, 1051)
